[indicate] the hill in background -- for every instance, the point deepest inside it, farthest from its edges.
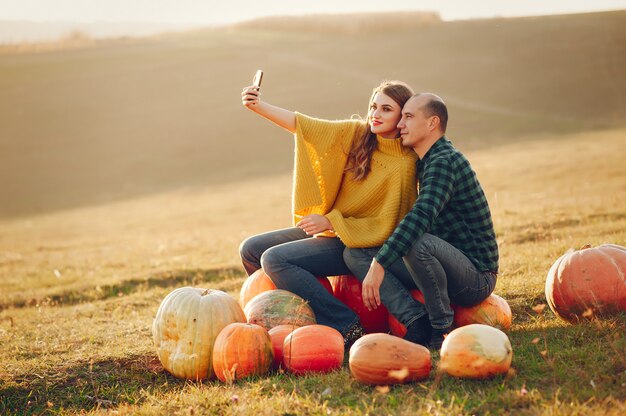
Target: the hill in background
(119, 119)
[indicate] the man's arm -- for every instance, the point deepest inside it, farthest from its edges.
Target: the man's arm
(435, 191)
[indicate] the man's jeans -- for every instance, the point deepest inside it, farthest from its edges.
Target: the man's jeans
(439, 270)
(292, 260)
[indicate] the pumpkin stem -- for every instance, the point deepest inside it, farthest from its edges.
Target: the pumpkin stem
(206, 292)
(585, 247)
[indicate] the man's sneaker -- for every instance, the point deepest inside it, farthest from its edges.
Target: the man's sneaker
(355, 332)
(437, 337)
(419, 331)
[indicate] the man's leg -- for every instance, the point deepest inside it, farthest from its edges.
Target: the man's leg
(443, 272)
(293, 266)
(394, 292)
(252, 248)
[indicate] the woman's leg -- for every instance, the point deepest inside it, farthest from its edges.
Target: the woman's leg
(293, 266)
(252, 248)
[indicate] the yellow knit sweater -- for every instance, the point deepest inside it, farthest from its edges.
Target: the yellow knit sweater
(362, 213)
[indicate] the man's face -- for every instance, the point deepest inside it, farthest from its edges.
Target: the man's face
(414, 125)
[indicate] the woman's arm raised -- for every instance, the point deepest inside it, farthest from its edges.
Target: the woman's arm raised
(279, 116)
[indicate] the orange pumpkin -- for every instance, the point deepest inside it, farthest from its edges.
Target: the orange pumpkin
(590, 282)
(386, 359)
(278, 307)
(348, 289)
(313, 349)
(476, 351)
(493, 311)
(242, 350)
(259, 282)
(256, 283)
(186, 326)
(278, 335)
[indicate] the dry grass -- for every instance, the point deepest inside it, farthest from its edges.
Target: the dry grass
(79, 340)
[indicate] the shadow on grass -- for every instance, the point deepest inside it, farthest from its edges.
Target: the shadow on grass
(584, 364)
(174, 278)
(87, 386)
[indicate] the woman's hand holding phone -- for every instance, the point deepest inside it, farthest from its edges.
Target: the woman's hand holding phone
(250, 97)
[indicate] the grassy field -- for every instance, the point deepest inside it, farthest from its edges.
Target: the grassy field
(80, 289)
(129, 168)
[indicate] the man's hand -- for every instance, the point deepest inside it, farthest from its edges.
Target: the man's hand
(371, 285)
(314, 224)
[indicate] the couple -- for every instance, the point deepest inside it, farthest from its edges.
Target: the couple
(359, 210)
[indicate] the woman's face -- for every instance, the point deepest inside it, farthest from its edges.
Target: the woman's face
(384, 115)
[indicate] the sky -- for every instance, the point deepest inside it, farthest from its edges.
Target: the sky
(210, 12)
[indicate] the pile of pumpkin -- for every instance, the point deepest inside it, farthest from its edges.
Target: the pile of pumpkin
(205, 333)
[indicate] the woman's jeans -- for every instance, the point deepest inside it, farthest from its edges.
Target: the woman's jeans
(438, 269)
(292, 260)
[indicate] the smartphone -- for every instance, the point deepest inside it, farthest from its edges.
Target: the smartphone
(258, 77)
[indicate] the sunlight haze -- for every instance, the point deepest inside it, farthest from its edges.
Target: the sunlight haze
(212, 12)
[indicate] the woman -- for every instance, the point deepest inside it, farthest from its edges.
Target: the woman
(353, 182)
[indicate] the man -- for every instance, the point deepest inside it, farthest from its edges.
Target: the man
(445, 246)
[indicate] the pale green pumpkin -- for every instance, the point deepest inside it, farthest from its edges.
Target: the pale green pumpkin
(186, 325)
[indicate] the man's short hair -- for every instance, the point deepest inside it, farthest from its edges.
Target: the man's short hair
(436, 107)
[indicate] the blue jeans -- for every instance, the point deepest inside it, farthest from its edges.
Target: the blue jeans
(438, 269)
(292, 260)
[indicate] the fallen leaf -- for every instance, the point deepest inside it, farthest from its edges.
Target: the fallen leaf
(539, 308)
(382, 389)
(535, 340)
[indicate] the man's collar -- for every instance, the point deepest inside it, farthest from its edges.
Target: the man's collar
(440, 143)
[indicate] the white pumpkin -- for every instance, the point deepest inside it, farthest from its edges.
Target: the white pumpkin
(476, 351)
(186, 325)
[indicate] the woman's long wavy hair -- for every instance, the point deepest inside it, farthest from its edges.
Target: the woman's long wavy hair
(360, 156)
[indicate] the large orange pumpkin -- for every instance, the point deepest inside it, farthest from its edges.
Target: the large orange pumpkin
(279, 307)
(493, 311)
(313, 349)
(476, 351)
(242, 350)
(278, 335)
(259, 282)
(186, 325)
(348, 289)
(586, 283)
(386, 359)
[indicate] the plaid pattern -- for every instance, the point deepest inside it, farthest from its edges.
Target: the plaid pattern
(450, 205)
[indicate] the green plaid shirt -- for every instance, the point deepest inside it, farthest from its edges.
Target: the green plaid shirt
(451, 205)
